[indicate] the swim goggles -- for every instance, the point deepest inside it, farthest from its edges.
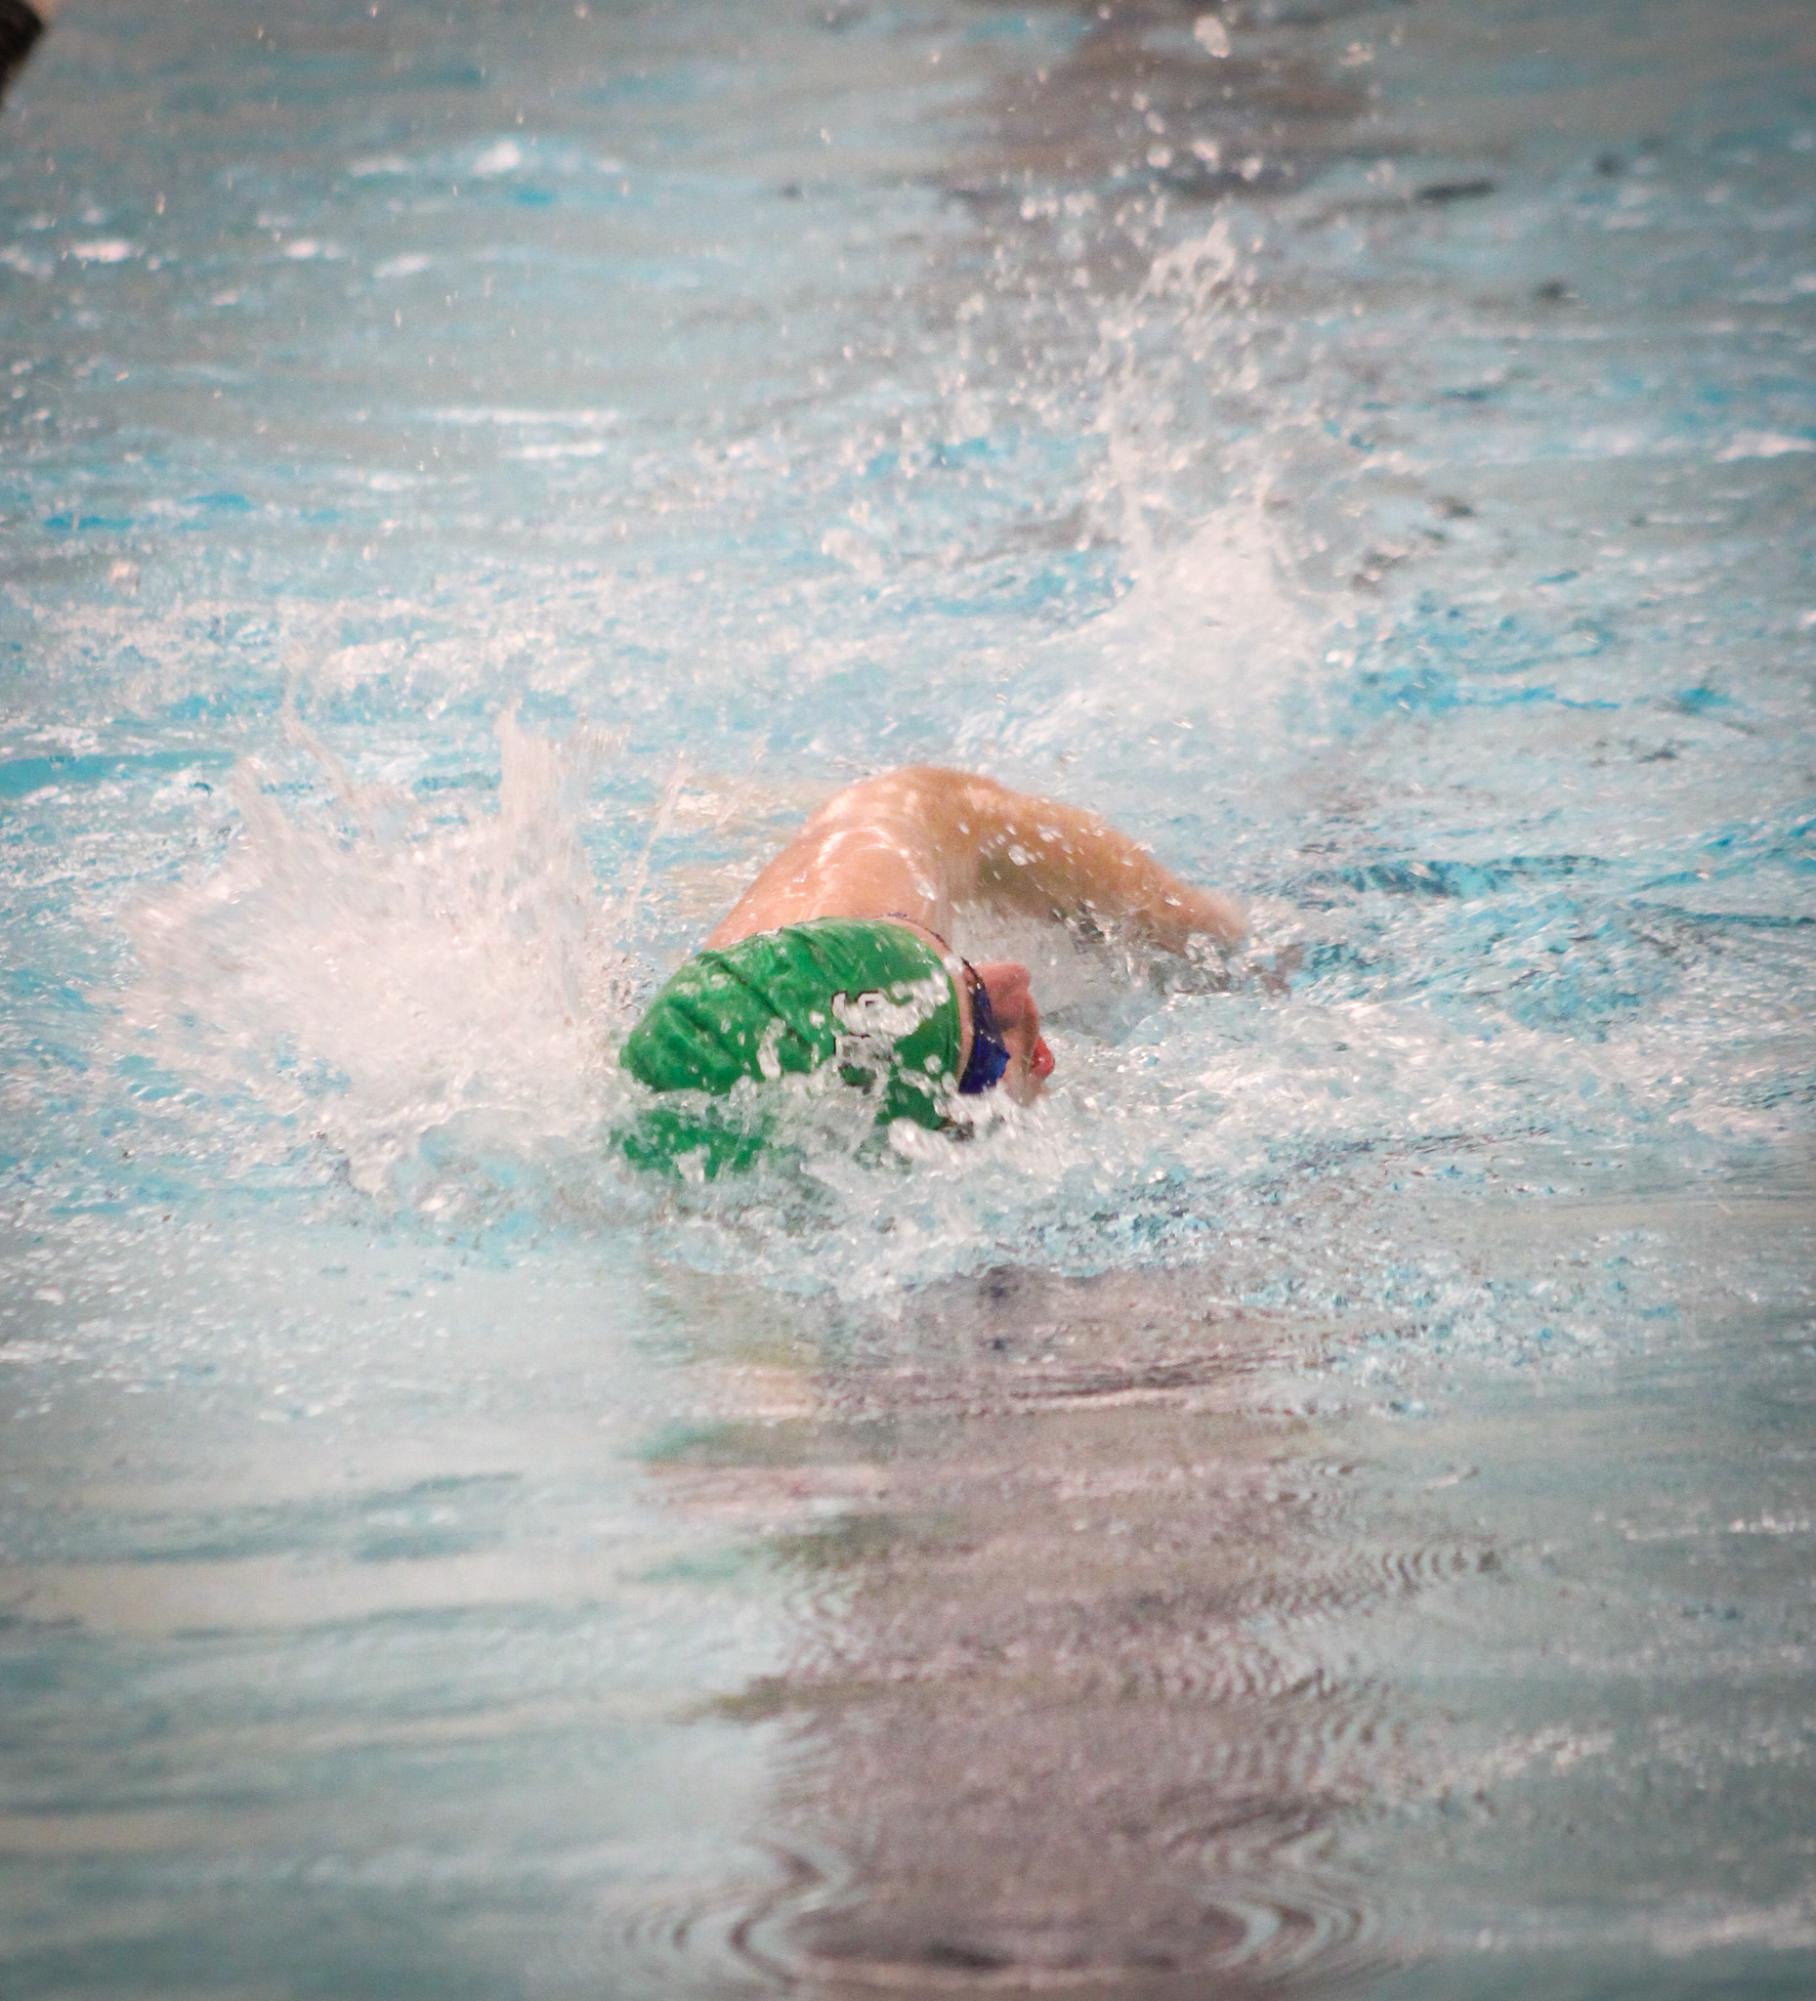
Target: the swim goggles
(989, 1056)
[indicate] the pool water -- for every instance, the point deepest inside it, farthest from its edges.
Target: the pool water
(1323, 1503)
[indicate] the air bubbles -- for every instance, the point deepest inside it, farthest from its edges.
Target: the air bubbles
(503, 156)
(104, 250)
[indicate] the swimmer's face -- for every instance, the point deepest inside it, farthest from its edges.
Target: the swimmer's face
(1018, 1023)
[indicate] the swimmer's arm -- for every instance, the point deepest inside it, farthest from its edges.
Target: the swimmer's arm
(1059, 861)
(914, 842)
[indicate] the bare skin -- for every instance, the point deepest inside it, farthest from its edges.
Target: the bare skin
(911, 845)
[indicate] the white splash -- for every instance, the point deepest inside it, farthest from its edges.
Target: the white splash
(372, 974)
(1210, 628)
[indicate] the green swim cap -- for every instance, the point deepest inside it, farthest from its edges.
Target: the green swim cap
(870, 996)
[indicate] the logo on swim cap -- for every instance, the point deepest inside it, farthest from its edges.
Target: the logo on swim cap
(870, 1024)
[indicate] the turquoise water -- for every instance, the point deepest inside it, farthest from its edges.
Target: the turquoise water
(1322, 1504)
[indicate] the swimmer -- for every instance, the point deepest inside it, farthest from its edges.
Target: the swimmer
(837, 955)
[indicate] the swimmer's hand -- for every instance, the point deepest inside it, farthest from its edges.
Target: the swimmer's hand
(1183, 917)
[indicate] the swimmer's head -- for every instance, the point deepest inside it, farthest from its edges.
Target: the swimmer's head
(890, 1009)
(1025, 1062)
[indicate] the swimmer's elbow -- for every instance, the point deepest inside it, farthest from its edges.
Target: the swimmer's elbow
(957, 808)
(936, 782)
